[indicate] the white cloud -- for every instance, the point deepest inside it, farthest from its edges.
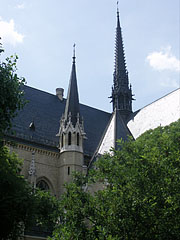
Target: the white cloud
(164, 60)
(9, 34)
(20, 6)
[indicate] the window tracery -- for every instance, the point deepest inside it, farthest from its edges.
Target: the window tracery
(42, 185)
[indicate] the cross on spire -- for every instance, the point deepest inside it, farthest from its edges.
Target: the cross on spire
(118, 8)
(74, 52)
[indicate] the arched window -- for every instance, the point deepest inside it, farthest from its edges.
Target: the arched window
(69, 138)
(42, 185)
(62, 140)
(68, 170)
(77, 139)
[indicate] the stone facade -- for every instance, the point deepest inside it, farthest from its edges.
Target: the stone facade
(46, 165)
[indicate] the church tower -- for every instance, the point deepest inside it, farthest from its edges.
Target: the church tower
(71, 133)
(122, 102)
(121, 90)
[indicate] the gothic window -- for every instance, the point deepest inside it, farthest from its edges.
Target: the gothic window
(62, 140)
(77, 139)
(42, 185)
(69, 138)
(68, 170)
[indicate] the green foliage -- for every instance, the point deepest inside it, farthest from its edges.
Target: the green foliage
(140, 196)
(20, 205)
(45, 210)
(15, 196)
(1, 49)
(11, 95)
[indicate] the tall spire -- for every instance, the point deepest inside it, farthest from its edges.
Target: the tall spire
(119, 48)
(121, 91)
(72, 102)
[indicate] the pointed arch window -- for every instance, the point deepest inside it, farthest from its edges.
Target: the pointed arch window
(77, 139)
(42, 185)
(68, 170)
(69, 138)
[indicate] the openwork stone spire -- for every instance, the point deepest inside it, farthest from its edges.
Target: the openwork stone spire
(121, 91)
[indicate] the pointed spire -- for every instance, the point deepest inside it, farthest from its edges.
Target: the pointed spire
(118, 21)
(119, 48)
(72, 102)
(121, 91)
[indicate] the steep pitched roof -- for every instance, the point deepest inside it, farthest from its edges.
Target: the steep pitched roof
(161, 112)
(116, 129)
(121, 129)
(45, 110)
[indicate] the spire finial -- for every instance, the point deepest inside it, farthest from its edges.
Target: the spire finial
(74, 52)
(117, 8)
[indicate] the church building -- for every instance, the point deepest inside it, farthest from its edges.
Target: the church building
(56, 136)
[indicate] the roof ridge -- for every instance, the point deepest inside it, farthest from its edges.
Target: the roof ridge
(158, 99)
(82, 104)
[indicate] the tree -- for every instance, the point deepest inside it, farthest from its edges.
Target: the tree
(11, 94)
(140, 197)
(1, 49)
(21, 206)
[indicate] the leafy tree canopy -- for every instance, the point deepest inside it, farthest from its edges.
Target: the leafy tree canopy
(139, 196)
(20, 205)
(11, 95)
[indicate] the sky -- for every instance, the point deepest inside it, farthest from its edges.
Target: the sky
(42, 34)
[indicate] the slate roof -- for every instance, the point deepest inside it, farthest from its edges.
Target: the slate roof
(45, 110)
(121, 129)
(116, 129)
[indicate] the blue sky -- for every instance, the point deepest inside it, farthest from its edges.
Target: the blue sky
(42, 33)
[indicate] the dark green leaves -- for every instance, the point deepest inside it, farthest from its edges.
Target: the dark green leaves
(131, 194)
(11, 94)
(20, 205)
